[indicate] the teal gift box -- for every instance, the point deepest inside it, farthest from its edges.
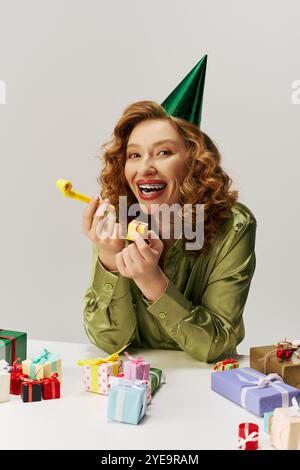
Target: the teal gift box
(127, 403)
(268, 421)
(13, 345)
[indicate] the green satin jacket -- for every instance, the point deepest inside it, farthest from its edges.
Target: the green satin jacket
(200, 311)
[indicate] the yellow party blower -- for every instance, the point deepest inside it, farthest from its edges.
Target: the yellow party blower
(65, 188)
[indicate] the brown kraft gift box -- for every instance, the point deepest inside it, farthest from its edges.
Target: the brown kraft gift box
(264, 359)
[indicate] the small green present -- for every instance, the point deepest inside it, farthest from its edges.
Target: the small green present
(13, 345)
(226, 364)
(155, 377)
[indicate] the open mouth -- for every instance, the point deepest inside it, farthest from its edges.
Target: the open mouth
(148, 189)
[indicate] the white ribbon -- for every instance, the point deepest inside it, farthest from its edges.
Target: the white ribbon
(114, 380)
(120, 404)
(270, 380)
(295, 408)
(253, 437)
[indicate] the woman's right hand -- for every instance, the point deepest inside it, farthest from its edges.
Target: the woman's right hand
(104, 232)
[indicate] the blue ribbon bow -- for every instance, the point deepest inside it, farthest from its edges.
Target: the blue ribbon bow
(42, 359)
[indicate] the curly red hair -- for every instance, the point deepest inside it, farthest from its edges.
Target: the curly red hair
(204, 182)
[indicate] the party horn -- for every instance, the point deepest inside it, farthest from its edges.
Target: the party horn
(65, 187)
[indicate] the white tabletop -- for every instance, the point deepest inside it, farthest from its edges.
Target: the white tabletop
(184, 413)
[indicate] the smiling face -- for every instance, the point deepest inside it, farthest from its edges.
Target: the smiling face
(155, 162)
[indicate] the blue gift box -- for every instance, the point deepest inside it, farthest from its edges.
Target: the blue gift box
(257, 392)
(127, 403)
(267, 421)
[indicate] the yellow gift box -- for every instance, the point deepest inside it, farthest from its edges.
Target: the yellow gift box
(43, 366)
(97, 372)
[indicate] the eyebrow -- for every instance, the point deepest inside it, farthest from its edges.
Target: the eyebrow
(155, 143)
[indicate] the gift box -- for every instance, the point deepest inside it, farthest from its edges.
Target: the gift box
(97, 372)
(155, 378)
(264, 359)
(268, 421)
(120, 380)
(4, 385)
(17, 377)
(50, 387)
(136, 368)
(285, 430)
(226, 364)
(43, 366)
(16, 380)
(127, 403)
(31, 390)
(253, 390)
(13, 344)
(248, 436)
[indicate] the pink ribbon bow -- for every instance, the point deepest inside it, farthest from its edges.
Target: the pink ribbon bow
(136, 361)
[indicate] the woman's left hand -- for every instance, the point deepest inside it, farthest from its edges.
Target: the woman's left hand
(140, 260)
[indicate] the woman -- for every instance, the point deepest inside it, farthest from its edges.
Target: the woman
(161, 295)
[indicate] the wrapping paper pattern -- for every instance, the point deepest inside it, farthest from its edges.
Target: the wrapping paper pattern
(96, 376)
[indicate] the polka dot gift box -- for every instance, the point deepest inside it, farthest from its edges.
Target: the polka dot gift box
(97, 372)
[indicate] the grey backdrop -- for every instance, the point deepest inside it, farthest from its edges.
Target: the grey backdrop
(70, 68)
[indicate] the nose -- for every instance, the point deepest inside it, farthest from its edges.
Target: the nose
(146, 167)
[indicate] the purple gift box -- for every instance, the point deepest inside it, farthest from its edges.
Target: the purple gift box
(136, 369)
(257, 392)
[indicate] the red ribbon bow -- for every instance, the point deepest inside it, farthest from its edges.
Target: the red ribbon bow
(225, 362)
(16, 368)
(49, 380)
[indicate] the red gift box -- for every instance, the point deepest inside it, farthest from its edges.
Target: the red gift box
(248, 436)
(50, 387)
(16, 378)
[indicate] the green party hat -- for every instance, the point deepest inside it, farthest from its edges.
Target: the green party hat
(185, 101)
